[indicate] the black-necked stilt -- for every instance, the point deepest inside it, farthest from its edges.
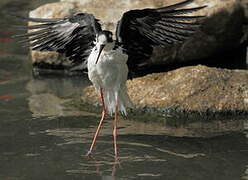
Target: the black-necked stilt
(81, 38)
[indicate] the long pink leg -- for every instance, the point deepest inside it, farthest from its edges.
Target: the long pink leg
(99, 126)
(115, 132)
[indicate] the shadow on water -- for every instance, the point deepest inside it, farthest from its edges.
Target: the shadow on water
(43, 137)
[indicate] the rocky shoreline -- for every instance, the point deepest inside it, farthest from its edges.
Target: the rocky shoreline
(200, 100)
(188, 89)
(194, 101)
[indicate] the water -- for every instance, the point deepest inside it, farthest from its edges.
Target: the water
(42, 136)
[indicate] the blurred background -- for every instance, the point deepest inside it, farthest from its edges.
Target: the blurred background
(46, 129)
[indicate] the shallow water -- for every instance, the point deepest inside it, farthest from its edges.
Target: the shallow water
(43, 137)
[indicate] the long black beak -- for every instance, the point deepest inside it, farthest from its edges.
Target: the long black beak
(100, 51)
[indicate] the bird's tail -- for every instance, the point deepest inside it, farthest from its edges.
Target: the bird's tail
(120, 97)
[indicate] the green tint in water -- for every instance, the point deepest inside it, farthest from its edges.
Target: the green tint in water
(43, 136)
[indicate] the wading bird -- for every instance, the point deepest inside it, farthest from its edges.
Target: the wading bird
(81, 38)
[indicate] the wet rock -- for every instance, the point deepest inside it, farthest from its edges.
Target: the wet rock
(190, 89)
(221, 31)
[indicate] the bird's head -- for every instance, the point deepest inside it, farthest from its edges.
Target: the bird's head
(103, 38)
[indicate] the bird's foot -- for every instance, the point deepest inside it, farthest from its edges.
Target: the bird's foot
(117, 162)
(114, 168)
(89, 154)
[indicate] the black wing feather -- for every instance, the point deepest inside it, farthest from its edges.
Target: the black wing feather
(174, 6)
(139, 31)
(73, 36)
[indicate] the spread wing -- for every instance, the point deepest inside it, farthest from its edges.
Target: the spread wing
(139, 31)
(73, 36)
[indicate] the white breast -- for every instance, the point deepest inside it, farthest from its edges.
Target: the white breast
(110, 71)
